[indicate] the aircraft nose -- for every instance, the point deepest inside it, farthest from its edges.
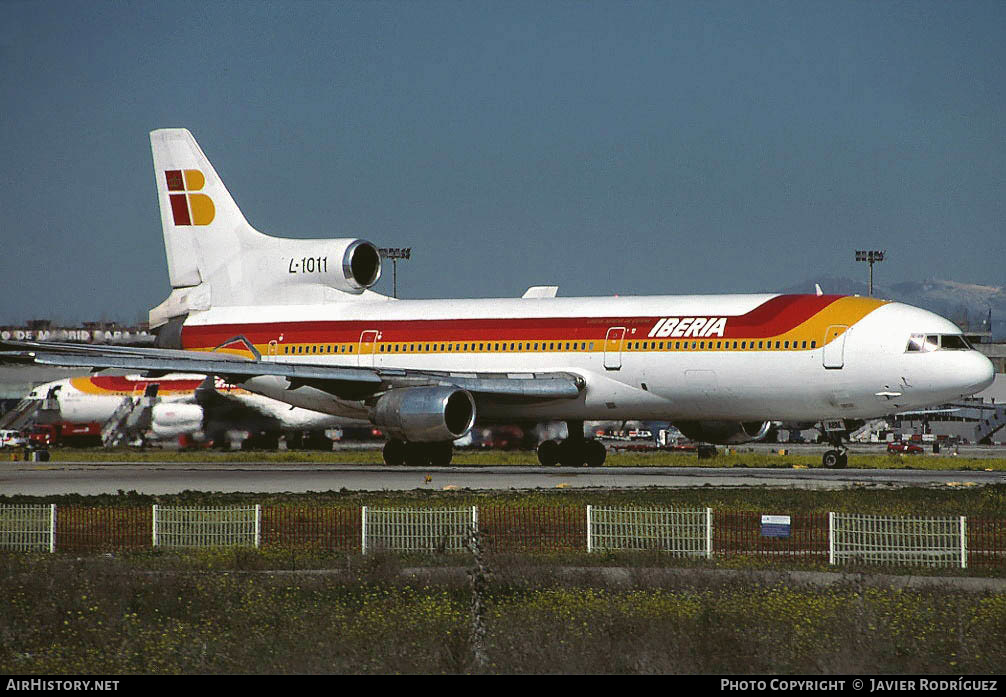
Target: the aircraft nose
(976, 373)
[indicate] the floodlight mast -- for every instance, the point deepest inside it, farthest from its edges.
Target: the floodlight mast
(395, 253)
(871, 256)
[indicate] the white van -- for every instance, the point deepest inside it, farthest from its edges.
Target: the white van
(11, 439)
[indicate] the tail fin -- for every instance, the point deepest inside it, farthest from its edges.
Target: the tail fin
(200, 220)
(215, 257)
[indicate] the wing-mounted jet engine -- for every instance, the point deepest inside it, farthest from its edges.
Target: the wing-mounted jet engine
(422, 422)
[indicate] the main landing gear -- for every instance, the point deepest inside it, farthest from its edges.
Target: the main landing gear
(400, 452)
(573, 451)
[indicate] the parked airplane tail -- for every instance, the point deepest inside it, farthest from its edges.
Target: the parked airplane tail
(215, 257)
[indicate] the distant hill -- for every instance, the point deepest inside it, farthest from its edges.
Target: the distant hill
(966, 304)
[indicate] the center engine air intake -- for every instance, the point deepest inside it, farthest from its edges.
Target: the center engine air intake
(425, 414)
(361, 264)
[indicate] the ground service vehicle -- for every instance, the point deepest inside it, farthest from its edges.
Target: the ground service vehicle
(905, 448)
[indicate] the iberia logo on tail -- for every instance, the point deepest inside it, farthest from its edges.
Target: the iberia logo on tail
(189, 208)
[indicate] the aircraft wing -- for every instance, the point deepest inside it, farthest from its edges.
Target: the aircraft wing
(347, 382)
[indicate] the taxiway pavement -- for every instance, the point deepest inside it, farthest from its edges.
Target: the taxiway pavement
(38, 479)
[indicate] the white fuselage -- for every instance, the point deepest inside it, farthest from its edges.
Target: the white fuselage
(768, 357)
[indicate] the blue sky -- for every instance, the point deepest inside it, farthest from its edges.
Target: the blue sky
(607, 147)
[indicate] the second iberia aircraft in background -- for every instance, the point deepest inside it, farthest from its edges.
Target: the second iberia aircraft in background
(117, 409)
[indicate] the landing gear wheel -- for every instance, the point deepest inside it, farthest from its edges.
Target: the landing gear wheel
(571, 453)
(706, 452)
(417, 454)
(394, 453)
(440, 454)
(594, 453)
(548, 453)
(835, 459)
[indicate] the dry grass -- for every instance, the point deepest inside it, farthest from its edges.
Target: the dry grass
(111, 616)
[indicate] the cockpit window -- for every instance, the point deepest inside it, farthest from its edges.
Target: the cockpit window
(954, 341)
(937, 342)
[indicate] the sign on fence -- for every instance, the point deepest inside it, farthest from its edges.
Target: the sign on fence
(879, 539)
(182, 526)
(28, 528)
(775, 525)
(687, 533)
(417, 530)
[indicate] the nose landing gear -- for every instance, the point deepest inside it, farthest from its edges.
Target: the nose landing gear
(836, 459)
(835, 432)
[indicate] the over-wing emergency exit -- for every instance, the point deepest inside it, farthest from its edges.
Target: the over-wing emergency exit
(295, 320)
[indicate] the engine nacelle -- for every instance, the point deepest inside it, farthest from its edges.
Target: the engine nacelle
(724, 432)
(170, 420)
(425, 414)
(344, 264)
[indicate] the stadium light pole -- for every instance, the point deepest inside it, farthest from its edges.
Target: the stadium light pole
(395, 253)
(871, 256)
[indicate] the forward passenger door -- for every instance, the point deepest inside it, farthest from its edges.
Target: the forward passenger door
(834, 346)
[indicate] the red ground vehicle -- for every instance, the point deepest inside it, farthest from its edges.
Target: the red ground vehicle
(78, 435)
(901, 447)
(505, 437)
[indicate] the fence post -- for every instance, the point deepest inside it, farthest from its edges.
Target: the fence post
(831, 538)
(52, 529)
(363, 527)
(590, 542)
(475, 519)
(258, 525)
(154, 525)
(709, 533)
(964, 546)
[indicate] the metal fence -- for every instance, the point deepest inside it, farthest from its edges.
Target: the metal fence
(887, 540)
(28, 528)
(87, 530)
(327, 529)
(986, 542)
(835, 538)
(686, 533)
(532, 529)
(417, 529)
(182, 526)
